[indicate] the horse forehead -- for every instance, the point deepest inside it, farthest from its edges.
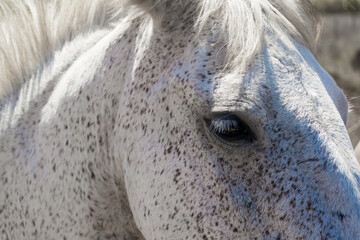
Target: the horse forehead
(336, 94)
(260, 82)
(281, 68)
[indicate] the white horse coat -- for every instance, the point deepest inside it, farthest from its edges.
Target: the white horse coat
(357, 151)
(179, 120)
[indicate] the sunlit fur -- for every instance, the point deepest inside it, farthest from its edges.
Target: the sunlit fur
(31, 30)
(108, 134)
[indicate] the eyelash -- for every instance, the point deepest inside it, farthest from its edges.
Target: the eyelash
(223, 125)
(230, 129)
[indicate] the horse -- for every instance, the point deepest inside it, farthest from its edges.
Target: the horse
(146, 119)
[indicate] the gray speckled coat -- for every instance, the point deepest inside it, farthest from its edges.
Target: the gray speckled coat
(122, 136)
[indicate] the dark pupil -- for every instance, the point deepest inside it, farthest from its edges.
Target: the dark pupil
(230, 128)
(234, 131)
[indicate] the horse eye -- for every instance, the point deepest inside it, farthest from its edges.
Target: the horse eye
(230, 129)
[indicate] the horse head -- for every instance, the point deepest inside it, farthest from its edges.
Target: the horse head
(233, 130)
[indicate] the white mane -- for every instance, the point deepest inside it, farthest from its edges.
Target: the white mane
(31, 30)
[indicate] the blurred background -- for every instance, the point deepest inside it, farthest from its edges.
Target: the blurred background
(338, 51)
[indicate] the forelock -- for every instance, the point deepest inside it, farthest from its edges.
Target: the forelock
(242, 23)
(47, 25)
